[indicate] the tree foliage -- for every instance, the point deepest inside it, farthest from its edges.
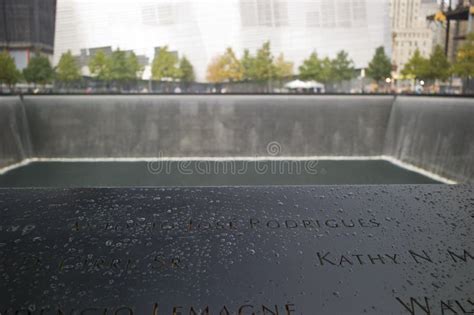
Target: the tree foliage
(312, 68)
(342, 67)
(165, 65)
(283, 68)
(186, 70)
(438, 65)
(417, 67)
(248, 66)
(327, 70)
(120, 66)
(67, 69)
(123, 66)
(9, 74)
(225, 67)
(134, 68)
(464, 64)
(380, 66)
(263, 67)
(39, 70)
(317, 69)
(99, 66)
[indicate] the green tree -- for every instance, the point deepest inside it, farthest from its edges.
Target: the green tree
(342, 67)
(186, 70)
(9, 74)
(225, 67)
(119, 66)
(38, 71)
(464, 64)
(248, 65)
(327, 71)
(283, 68)
(99, 66)
(439, 67)
(380, 66)
(417, 67)
(67, 70)
(134, 68)
(312, 68)
(264, 67)
(165, 65)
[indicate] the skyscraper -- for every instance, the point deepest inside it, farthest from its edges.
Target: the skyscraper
(410, 30)
(27, 27)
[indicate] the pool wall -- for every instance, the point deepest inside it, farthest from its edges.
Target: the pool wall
(432, 133)
(435, 134)
(15, 145)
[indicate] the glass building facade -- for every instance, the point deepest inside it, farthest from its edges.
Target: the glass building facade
(202, 29)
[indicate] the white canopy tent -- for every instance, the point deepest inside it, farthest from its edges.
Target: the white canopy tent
(298, 84)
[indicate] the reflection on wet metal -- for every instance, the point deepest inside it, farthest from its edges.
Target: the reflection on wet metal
(238, 250)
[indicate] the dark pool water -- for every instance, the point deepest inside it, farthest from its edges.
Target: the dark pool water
(209, 173)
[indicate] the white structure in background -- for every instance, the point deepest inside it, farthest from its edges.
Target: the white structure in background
(202, 29)
(410, 30)
(298, 84)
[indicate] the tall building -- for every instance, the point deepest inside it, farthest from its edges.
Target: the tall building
(411, 31)
(202, 29)
(27, 27)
